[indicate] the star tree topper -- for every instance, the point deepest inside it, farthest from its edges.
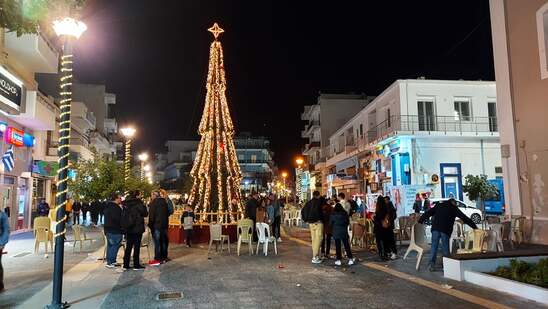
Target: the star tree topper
(216, 30)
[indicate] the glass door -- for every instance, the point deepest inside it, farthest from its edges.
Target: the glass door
(426, 116)
(492, 110)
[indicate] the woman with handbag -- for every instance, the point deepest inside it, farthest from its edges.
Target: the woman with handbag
(385, 214)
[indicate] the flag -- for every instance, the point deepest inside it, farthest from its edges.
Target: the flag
(7, 159)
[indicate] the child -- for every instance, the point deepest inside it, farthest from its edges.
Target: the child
(188, 221)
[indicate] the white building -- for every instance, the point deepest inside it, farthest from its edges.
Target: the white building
(428, 133)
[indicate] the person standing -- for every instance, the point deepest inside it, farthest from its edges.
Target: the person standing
(101, 212)
(76, 208)
(344, 203)
(312, 214)
(134, 219)
(4, 238)
(339, 221)
(277, 219)
(327, 209)
(43, 208)
(251, 211)
(158, 220)
(444, 214)
(94, 212)
(170, 211)
(113, 229)
(188, 224)
(85, 209)
(68, 209)
(384, 229)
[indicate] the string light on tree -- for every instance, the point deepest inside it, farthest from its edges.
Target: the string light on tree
(215, 193)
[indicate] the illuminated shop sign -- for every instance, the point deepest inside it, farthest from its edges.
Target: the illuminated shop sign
(11, 90)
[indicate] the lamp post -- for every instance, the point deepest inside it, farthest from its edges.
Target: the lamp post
(68, 30)
(143, 157)
(284, 176)
(128, 133)
(298, 188)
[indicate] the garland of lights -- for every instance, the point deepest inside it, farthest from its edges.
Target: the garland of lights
(64, 140)
(127, 160)
(216, 153)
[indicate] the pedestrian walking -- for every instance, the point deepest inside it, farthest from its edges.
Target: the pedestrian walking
(158, 220)
(76, 208)
(251, 211)
(312, 214)
(113, 229)
(339, 222)
(133, 222)
(444, 214)
(327, 209)
(187, 220)
(384, 229)
(43, 208)
(170, 211)
(4, 238)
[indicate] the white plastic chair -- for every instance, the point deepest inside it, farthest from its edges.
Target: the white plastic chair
(147, 240)
(287, 217)
(216, 234)
(417, 243)
(297, 217)
(245, 234)
(80, 236)
(457, 235)
(263, 232)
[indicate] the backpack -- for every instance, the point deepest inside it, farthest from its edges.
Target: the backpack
(129, 219)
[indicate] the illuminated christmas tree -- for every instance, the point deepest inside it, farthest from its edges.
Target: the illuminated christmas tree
(215, 192)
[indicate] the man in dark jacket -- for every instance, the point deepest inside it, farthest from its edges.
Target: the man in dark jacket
(94, 211)
(251, 211)
(312, 214)
(43, 208)
(76, 208)
(134, 221)
(113, 229)
(158, 219)
(444, 214)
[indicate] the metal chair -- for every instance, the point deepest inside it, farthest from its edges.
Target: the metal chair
(245, 234)
(418, 242)
(216, 234)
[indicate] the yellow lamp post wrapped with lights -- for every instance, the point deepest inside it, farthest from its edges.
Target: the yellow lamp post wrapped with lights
(215, 193)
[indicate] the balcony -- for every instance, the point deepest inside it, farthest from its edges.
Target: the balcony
(34, 51)
(435, 126)
(313, 146)
(81, 118)
(39, 112)
(101, 143)
(111, 126)
(310, 127)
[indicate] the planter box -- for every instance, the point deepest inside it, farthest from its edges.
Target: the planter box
(517, 288)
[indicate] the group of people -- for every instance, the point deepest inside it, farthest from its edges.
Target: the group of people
(127, 219)
(266, 209)
(75, 208)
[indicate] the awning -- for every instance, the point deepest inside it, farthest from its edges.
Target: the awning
(350, 162)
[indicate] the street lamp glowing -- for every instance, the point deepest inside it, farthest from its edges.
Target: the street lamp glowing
(128, 132)
(284, 174)
(148, 174)
(143, 156)
(299, 161)
(146, 168)
(69, 26)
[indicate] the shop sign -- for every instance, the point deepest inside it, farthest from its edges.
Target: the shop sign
(14, 136)
(11, 89)
(45, 168)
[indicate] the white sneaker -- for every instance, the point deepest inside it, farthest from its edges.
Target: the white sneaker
(393, 256)
(351, 262)
(279, 239)
(316, 260)
(338, 262)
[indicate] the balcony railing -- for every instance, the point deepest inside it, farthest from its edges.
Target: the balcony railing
(429, 124)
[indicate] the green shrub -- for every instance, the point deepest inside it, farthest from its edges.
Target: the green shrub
(530, 273)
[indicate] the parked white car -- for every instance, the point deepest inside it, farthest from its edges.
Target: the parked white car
(470, 211)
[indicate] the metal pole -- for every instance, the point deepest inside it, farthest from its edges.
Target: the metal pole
(127, 162)
(142, 170)
(62, 174)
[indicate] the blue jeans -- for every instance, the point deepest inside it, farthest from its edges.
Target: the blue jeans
(436, 235)
(113, 244)
(160, 248)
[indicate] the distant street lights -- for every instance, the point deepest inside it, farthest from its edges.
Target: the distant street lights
(284, 176)
(128, 133)
(68, 30)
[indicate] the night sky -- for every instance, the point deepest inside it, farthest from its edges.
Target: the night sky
(278, 55)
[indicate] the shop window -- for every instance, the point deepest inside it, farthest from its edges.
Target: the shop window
(542, 33)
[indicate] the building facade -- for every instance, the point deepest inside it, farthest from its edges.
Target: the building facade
(322, 119)
(418, 136)
(520, 41)
(27, 125)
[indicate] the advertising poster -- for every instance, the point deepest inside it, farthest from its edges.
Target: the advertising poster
(404, 196)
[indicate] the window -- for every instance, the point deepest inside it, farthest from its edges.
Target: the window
(462, 109)
(240, 157)
(492, 112)
(542, 34)
(253, 158)
(388, 118)
(426, 118)
(361, 130)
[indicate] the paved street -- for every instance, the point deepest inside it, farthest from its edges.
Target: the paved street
(229, 281)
